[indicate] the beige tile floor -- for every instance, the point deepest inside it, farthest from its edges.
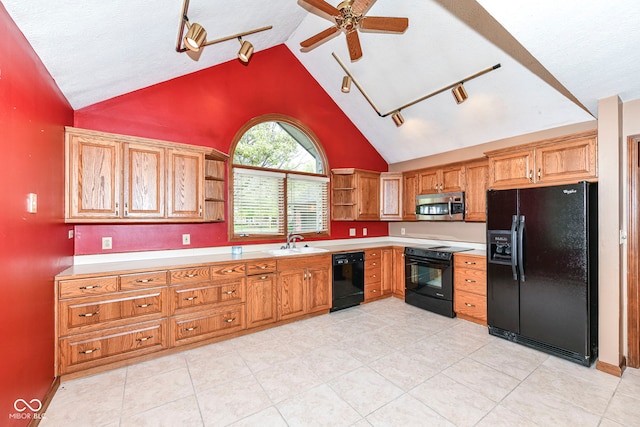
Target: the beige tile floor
(379, 364)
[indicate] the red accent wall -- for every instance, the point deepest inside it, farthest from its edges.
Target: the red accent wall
(207, 108)
(34, 247)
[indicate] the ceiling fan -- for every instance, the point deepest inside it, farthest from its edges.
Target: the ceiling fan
(350, 17)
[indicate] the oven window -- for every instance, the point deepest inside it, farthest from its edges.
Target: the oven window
(421, 275)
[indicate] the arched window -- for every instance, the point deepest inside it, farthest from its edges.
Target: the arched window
(280, 181)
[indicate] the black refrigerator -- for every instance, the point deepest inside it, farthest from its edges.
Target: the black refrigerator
(542, 261)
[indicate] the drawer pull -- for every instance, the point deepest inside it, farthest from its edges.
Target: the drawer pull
(373, 276)
(469, 305)
(191, 298)
(228, 271)
(191, 275)
(90, 351)
(192, 328)
(144, 305)
(95, 313)
(230, 320)
(144, 280)
(264, 277)
(231, 292)
(144, 339)
(374, 290)
(469, 281)
(373, 263)
(470, 262)
(89, 287)
(263, 267)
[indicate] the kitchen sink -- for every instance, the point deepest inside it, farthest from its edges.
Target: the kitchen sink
(296, 251)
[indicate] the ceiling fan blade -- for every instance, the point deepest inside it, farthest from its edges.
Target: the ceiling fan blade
(362, 6)
(353, 42)
(383, 23)
(323, 6)
(321, 37)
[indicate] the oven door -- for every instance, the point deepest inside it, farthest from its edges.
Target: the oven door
(429, 277)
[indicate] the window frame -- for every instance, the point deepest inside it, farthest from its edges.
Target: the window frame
(236, 237)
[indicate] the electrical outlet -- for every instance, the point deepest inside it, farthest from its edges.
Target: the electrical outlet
(70, 234)
(403, 231)
(352, 232)
(32, 203)
(186, 239)
(107, 243)
(364, 231)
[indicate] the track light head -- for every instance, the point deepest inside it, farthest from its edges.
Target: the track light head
(459, 93)
(346, 84)
(397, 118)
(195, 37)
(246, 50)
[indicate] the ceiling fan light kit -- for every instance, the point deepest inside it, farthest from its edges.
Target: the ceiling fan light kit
(196, 37)
(457, 88)
(349, 17)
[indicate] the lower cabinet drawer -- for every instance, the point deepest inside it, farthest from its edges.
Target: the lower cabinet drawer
(470, 280)
(84, 314)
(207, 324)
(93, 349)
(189, 298)
(372, 290)
(469, 304)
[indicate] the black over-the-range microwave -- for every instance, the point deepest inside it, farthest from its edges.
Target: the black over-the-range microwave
(440, 207)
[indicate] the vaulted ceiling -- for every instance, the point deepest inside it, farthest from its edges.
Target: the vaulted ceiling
(557, 59)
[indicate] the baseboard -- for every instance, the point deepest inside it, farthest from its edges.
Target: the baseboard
(608, 368)
(46, 400)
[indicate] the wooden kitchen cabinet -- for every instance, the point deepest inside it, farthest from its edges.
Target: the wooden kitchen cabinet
(119, 178)
(398, 272)
(470, 287)
(445, 179)
(355, 195)
(477, 182)
(563, 160)
(262, 296)
(391, 186)
(409, 193)
(304, 285)
(378, 273)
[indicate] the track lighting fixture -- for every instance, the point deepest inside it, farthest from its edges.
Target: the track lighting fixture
(346, 84)
(246, 50)
(458, 90)
(459, 93)
(397, 118)
(196, 37)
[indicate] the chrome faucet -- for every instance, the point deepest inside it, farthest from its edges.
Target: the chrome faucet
(291, 240)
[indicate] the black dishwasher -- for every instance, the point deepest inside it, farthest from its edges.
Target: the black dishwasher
(348, 280)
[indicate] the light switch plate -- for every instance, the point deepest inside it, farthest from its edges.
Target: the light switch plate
(32, 203)
(107, 243)
(352, 232)
(186, 239)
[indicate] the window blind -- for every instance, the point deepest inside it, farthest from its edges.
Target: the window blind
(307, 203)
(258, 202)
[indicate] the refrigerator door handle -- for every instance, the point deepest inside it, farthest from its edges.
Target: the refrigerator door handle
(520, 248)
(514, 239)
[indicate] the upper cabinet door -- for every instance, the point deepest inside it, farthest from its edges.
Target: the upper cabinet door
(511, 170)
(429, 181)
(185, 196)
(476, 177)
(368, 193)
(391, 184)
(568, 161)
(144, 185)
(409, 193)
(93, 178)
(452, 179)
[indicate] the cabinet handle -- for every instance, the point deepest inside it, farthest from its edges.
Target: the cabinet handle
(374, 291)
(192, 328)
(191, 298)
(469, 305)
(470, 262)
(117, 210)
(441, 187)
(230, 292)
(264, 277)
(95, 313)
(539, 174)
(531, 175)
(144, 305)
(228, 271)
(191, 275)
(89, 351)
(230, 320)
(144, 339)
(469, 281)
(126, 209)
(262, 267)
(374, 264)
(144, 280)
(374, 276)
(89, 287)
(200, 213)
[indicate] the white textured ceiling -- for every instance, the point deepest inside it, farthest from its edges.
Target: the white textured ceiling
(589, 47)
